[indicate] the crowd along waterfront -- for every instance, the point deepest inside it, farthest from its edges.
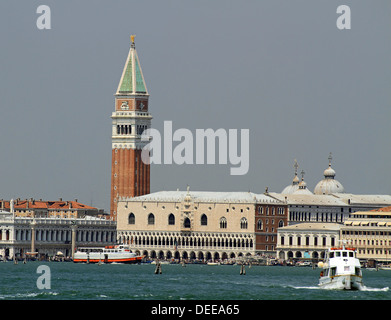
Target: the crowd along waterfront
(70, 281)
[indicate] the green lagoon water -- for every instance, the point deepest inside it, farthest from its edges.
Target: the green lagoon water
(71, 281)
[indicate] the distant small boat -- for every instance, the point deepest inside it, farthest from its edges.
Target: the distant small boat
(213, 263)
(109, 254)
(161, 262)
(385, 267)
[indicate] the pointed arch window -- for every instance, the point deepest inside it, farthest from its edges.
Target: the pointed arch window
(131, 218)
(204, 220)
(243, 223)
(280, 224)
(151, 219)
(171, 219)
(259, 224)
(223, 223)
(187, 223)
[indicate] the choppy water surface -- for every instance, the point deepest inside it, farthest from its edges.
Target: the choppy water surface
(71, 281)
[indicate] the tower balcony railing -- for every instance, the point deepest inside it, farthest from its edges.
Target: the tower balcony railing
(127, 114)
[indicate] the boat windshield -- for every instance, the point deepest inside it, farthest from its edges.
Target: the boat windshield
(345, 254)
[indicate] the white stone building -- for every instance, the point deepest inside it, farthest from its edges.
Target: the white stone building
(306, 240)
(47, 236)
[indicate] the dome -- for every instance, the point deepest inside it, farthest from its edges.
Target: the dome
(329, 172)
(329, 184)
(295, 183)
(290, 189)
(302, 186)
(302, 191)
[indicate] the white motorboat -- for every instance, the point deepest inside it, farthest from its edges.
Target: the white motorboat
(341, 270)
(109, 254)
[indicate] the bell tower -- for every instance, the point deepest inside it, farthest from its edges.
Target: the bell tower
(130, 175)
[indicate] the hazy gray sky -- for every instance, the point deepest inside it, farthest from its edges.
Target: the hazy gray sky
(280, 68)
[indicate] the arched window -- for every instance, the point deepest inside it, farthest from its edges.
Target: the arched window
(204, 220)
(280, 224)
(243, 223)
(223, 223)
(259, 224)
(131, 218)
(171, 219)
(186, 223)
(151, 219)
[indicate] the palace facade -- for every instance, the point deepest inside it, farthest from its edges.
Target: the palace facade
(200, 225)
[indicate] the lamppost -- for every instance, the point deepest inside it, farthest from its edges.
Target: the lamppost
(73, 227)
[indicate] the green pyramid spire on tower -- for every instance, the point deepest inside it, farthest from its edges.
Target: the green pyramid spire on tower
(132, 79)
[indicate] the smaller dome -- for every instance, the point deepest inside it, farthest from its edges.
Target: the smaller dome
(329, 172)
(295, 183)
(302, 186)
(302, 191)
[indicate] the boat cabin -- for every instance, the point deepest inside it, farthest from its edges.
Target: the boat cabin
(341, 261)
(116, 248)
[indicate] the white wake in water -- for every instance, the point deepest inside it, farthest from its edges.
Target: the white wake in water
(310, 287)
(27, 295)
(363, 288)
